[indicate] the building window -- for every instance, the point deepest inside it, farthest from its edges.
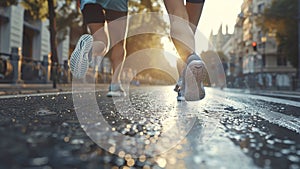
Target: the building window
(27, 16)
(27, 48)
(261, 8)
(281, 61)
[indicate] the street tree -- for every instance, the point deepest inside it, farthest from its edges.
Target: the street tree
(280, 18)
(50, 9)
(8, 3)
(143, 21)
(62, 14)
(147, 16)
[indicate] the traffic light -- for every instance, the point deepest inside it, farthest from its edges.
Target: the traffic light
(254, 45)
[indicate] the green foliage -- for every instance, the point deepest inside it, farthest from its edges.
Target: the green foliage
(141, 6)
(61, 14)
(6, 3)
(68, 16)
(281, 18)
(38, 9)
(143, 21)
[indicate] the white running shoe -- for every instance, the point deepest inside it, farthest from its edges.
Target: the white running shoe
(79, 61)
(193, 77)
(115, 90)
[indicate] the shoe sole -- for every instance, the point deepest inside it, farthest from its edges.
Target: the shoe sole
(79, 62)
(115, 94)
(194, 76)
(181, 98)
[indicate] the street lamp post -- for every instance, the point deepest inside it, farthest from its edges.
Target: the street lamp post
(263, 60)
(264, 41)
(298, 80)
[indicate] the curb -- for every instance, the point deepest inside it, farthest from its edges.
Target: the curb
(289, 95)
(23, 89)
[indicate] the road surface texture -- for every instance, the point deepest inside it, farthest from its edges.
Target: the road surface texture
(149, 129)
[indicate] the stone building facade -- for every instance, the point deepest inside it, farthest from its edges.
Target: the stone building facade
(17, 29)
(265, 67)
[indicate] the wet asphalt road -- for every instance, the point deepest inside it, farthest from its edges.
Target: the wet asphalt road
(149, 129)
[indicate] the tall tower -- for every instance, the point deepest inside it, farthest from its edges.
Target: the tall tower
(220, 39)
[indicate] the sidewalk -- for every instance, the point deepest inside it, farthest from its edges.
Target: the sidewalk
(16, 89)
(23, 89)
(290, 95)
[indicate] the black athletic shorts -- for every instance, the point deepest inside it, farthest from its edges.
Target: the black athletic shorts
(195, 1)
(95, 13)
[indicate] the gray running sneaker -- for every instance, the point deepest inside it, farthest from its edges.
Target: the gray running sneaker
(178, 89)
(115, 90)
(193, 77)
(180, 96)
(79, 61)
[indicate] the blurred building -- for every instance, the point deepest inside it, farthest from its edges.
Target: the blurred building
(18, 29)
(263, 66)
(222, 42)
(217, 41)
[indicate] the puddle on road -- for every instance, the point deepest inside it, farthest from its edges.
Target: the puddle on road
(281, 108)
(57, 140)
(45, 112)
(146, 121)
(269, 145)
(148, 116)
